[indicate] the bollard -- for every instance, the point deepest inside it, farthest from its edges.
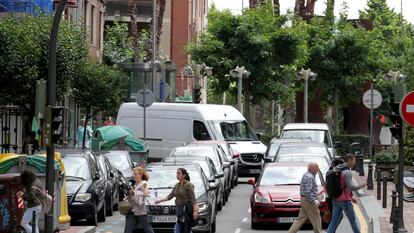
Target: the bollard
(395, 220)
(393, 205)
(378, 184)
(34, 221)
(384, 192)
(370, 181)
(361, 166)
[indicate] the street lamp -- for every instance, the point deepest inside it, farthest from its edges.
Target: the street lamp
(240, 73)
(306, 75)
(185, 71)
(208, 71)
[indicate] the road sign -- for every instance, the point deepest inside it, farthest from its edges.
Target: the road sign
(407, 108)
(145, 95)
(366, 99)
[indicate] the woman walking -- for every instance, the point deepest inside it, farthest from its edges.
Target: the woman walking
(186, 207)
(137, 218)
(28, 180)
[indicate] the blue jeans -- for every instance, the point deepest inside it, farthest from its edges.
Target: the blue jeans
(177, 228)
(338, 208)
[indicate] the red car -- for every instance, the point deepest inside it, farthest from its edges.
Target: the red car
(276, 194)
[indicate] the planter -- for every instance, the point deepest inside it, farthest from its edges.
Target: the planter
(386, 170)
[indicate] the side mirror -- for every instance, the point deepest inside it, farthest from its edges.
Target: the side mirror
(134, 164)
(212, 186)
(226, 164)
(268, 159)
(96, 177)
(211, 180)
(337, 144)
(251, 182)
(220, 175)
(259, 135)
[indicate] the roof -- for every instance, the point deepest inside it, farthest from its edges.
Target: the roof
(181, 158)
(209, 111)
(306, 126)
(288, 164)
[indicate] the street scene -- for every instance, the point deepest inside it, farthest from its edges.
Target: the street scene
(206, 116)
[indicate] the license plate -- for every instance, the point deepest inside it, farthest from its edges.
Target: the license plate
(255, 171)
(285, 219)
(164, 218)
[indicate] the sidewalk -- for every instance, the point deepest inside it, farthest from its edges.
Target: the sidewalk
(80, 229)
(373, 207)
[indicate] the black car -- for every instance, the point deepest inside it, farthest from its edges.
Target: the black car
(162, 178)
(112, 185)
(85, 187)
(121, 160)
(209, 170)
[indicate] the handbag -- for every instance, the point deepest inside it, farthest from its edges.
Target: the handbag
(125, 206)
(43, 198)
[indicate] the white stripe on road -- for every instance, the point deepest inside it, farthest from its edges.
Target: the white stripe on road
(410, 108)
(245, 219)
(249, 210)
(238, 230)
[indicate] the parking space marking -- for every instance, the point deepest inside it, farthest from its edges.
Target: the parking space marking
(245, 219)
(238, 230)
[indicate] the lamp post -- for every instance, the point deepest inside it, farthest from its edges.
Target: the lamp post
(185, 71)
(240, 73)
(306, 75)
(208, 71)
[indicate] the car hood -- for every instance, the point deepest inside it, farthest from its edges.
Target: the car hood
(72, 186)
(283, 192)
(248, 147)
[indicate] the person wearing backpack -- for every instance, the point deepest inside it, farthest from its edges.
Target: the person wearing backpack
(342, 196)
(309, 203)
(28, 180)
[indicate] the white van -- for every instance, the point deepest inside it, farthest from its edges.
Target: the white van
(318, 132)
(172, 124)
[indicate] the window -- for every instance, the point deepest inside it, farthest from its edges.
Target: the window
(92, 25)
(200, 131)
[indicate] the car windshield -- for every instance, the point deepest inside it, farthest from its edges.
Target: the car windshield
(273, 149)
(284, 176)
(314, 135)
(161, 178)
(203, 153)
(288, 150)
(203, 164)
(76, 167)
(232, 131)
(321, 161)
(119, 160)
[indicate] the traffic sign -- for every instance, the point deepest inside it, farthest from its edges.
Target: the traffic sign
(407, 108)
(144, 96)
(366, 99)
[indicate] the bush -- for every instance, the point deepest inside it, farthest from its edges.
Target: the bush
(387, 156)
(347, 140)
(409, 147)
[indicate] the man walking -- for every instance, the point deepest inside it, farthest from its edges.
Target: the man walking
(343, 203)
(308, 202)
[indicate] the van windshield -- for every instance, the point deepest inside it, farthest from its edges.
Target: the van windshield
(232, 131)
(314, 135)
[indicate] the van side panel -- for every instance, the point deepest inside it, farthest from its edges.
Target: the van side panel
(175, 133)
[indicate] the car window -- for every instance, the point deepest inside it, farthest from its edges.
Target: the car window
(273, 149)
(213, 167)
(284, 176)
(314, 135)
(232, 131)
(102, 166)
(77, 166)
(119, 160)
(200, 131)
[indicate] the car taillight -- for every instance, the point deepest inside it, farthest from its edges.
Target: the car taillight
(236, 154)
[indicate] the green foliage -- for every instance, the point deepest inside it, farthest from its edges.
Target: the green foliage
(117, 44)
(409, 147)
(347, 140)
(387, 156)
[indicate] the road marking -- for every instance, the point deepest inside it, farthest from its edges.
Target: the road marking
(410, 108)
(245, 219)
(249, 210)
(361, 219)
(238, 230)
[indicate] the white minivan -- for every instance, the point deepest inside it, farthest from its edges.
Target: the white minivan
(169, 125)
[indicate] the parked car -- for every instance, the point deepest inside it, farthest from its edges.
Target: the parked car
(274, 145)
(209, 170)
(316, 132)
(85, 186)
(112, 184)
(213, 152)
(162, 178)
(121, 160)
(305, 148)
(231, 156)
(276, 194)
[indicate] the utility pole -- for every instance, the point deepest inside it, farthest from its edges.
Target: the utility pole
(306, 75)
(239, 73)
(154, 45)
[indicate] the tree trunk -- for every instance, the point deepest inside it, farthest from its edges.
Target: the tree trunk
(255, 3)
(160, 18)
(85, 127)
(299, 5)
(133, 12)
(336, 112)
(276, 6)
(310, 8)
(305, 11)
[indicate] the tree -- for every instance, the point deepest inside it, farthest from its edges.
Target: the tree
(117, 45)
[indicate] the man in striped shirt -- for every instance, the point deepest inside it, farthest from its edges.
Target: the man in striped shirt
(309, 201)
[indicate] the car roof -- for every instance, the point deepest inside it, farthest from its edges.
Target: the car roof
(303, 144)
(306, 126)
(198, 158)
(174, 165)
(195, 147)
(283, 140)
(288, 164)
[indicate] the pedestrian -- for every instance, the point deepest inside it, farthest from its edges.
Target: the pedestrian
(137, 218)
(186, 207)
(335, 162)
(109, 121)
(343, 203)
(33, 142)
(80, 133)
(28, 179)
(309, 203)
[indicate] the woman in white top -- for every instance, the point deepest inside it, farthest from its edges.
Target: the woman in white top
(138, 216)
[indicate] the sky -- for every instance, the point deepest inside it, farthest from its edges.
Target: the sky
(354, 5)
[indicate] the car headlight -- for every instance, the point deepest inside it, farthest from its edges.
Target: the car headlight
(202, 206)
(322, 197)
(261, 199)
(82, 197)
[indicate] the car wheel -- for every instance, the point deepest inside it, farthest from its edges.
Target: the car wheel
(213, 225)
(93, 220)
(227, 195)
(102, 213)
(223, 199)
(236, 182)
(110, 210)
(220, 205)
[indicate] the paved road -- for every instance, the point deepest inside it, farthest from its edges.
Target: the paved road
(235, 216)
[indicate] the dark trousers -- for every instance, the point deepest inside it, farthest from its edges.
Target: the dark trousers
(137, 222)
